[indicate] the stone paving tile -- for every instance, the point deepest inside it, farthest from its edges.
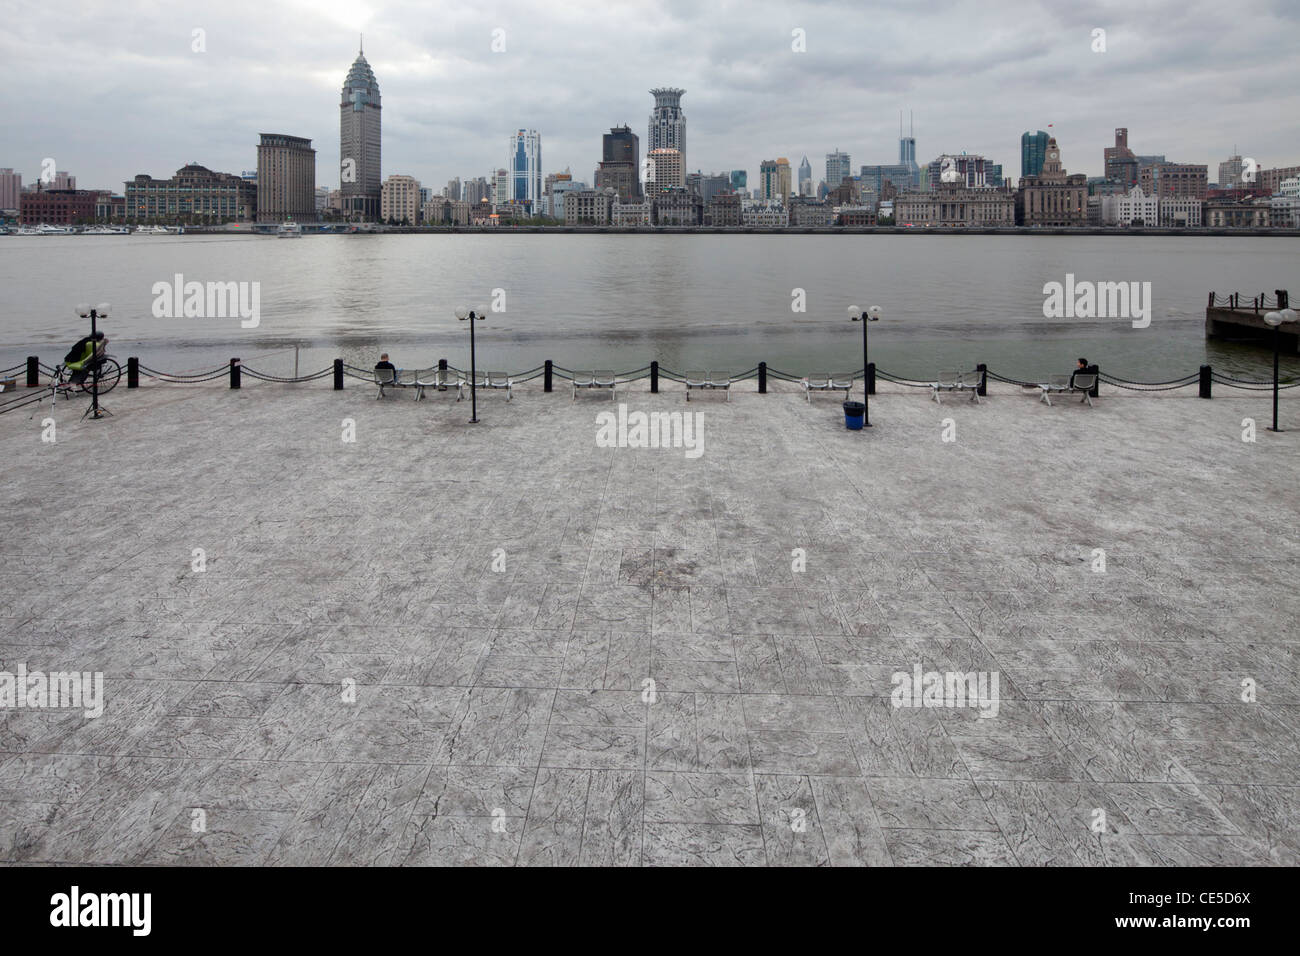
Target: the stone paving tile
(654, 676)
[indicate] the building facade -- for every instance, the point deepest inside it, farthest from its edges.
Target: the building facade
(1134, 208)
(195, 193)
(1052, 198)
(665, 169)
(637, 213)
(588, 207)
(678, 207)
(286, 178)
(1246, 214)
(667, 122)
(952, 204)
(1270, 180)
(1181, 213)
(57, 207)
(805, 211)
(764, 214)
(805, 178)
(399, 200)
(723, 210)
(1174, 180)
(360, 142)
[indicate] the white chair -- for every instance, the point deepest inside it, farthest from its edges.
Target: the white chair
(385, 378)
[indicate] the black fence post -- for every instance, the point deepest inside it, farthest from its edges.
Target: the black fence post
(654, 378)
(234, 373)
(33, 371)
(871, 378)
(546, 377)
(132, 372)
(1205, 381)
(984, 379)
(338, 375)
(762, 378)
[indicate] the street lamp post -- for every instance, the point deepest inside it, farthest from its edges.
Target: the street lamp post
(470, 315)
(872, 314)
(1275, 319)
(100, 311)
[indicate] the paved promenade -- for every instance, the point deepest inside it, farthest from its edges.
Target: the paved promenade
(444, 643)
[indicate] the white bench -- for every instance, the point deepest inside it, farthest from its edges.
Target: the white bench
(827, 382)
(1069, 385)
(601, 378)
(708, 380)
(957, 382)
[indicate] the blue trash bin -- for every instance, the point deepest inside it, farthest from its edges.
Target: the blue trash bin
(854, 413)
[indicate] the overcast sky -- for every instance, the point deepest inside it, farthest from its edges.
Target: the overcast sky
(113, 89)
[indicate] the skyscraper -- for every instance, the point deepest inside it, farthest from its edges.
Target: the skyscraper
(837, 168)
(774, 176)
(619, 165)
(359, 142)
(665, 169)
(805, 178)
(286, 178)
(667, 124)
(1033, 147)
(526, 167)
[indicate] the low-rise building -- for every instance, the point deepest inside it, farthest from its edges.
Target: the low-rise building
(811, 212)
(1181, 212)
(57, 207)
(588, 207)
(678, 207)
(1134, 208)
(855, 216)
(723, 210)
(1053, 197)
(764, 214)
(952, 204)
(631, 213)
(1248, 214)
(194, 193)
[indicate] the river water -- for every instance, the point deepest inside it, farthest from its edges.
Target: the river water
(720, 302)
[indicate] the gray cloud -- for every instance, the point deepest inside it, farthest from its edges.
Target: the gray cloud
(111, 91)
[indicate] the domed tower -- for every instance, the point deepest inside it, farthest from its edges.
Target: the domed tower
(359, 142)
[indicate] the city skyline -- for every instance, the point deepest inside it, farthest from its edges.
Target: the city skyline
(749, 90)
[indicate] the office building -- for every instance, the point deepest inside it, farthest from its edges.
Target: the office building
(620, 162)
(588, 207)
(11, 186)
(774, 179)
(805, 178)
(526, 167)
(1119, 162)
(667, 122)
(194, 193)
(1174, 180)
(57, 207)
(360, 138)
(665, 170)
(1033, 147)
(954, 204)
(838, 168)
(399, 200)
(286, 178)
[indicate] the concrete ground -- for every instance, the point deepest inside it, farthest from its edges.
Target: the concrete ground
(445, 643)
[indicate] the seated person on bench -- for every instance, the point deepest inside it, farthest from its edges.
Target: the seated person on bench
(83, 356)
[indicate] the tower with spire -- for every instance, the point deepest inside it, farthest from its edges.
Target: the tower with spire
(360, 141)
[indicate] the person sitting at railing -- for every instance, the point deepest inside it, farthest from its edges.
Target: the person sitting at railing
(383, 365)
(85, 355)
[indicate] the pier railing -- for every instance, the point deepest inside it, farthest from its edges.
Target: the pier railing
(1256, 304)
(34, 370)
